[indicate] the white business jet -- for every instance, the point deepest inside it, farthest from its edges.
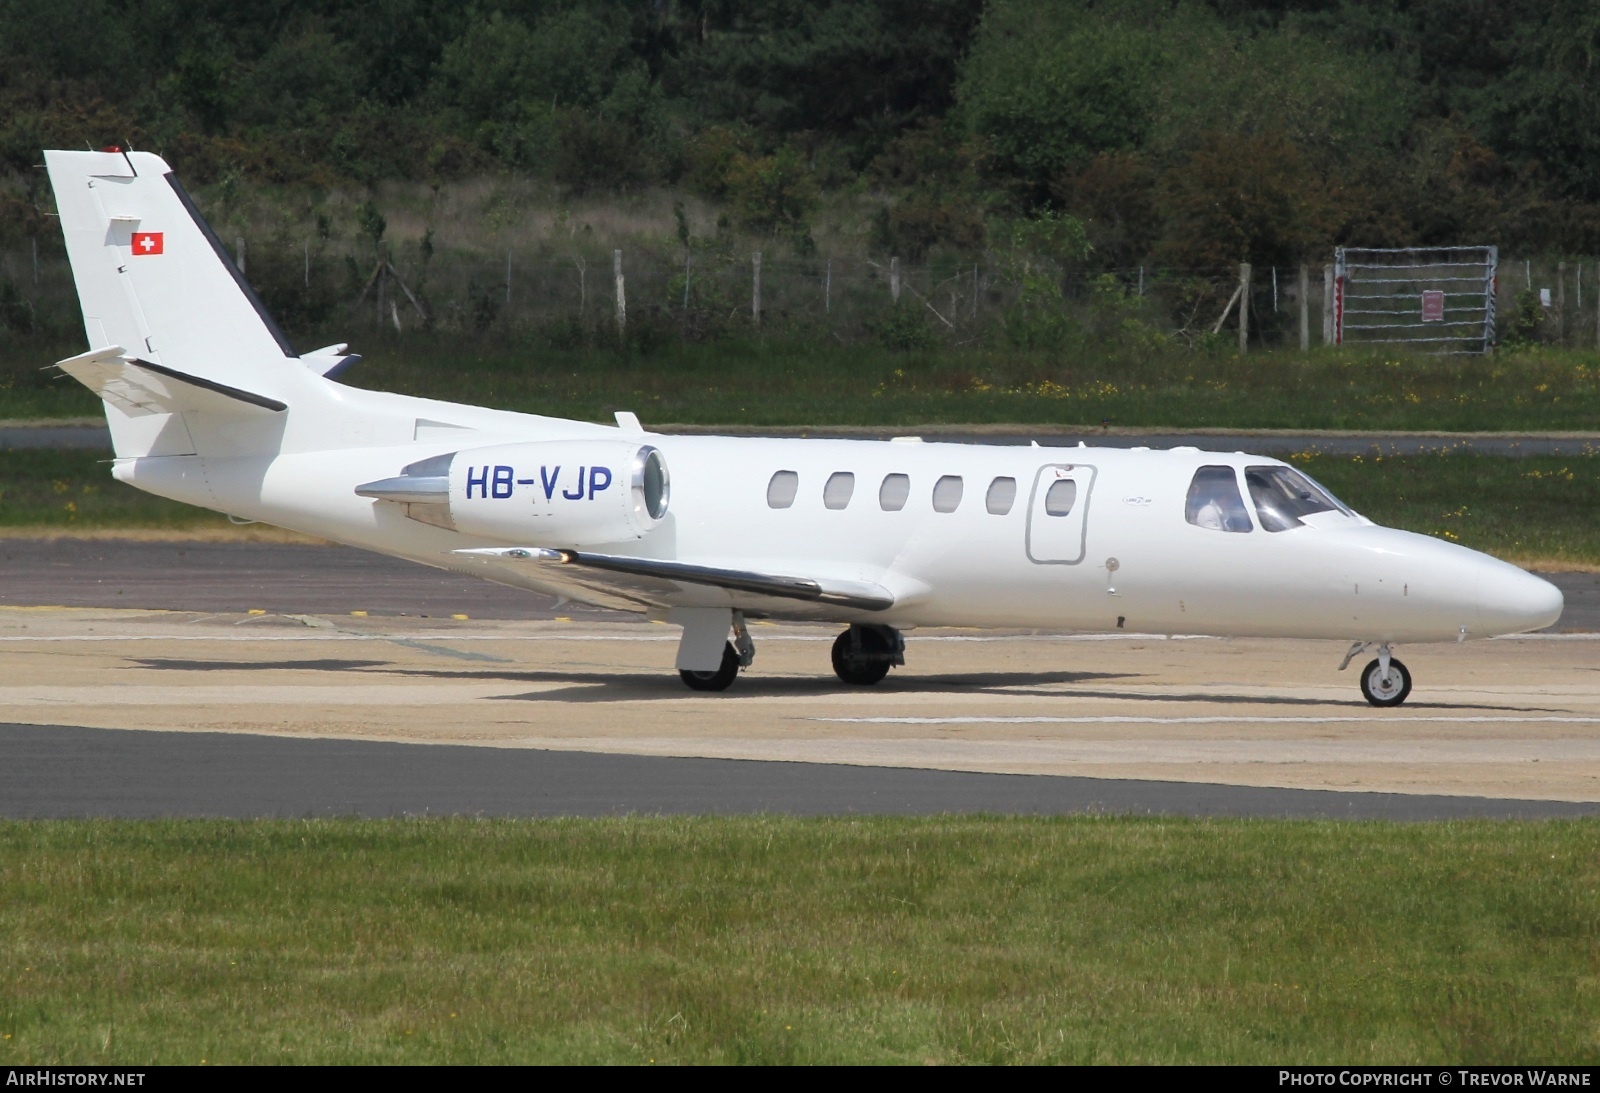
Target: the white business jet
(209, 404)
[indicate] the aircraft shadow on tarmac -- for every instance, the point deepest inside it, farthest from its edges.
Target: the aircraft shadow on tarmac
(617, 686)
(161, 664)
(622, 686)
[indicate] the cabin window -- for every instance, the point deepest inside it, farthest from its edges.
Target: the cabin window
(1060, 497)
(1002, 494)
(1283, 495)
(1214, 501)
(782, 488)
(893, 493)
(947, 493)
(840, 485)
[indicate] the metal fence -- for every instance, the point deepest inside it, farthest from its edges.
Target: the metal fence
(321, 289)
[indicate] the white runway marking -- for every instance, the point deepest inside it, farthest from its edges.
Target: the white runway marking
(1115, 720)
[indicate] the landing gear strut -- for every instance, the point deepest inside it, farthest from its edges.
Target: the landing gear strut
(863, 655)
(1385, 681)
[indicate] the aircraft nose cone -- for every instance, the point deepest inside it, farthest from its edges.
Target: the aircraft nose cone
(1511, 601)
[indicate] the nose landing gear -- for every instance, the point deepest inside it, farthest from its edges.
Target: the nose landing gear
(863, 655)
(1385, 681)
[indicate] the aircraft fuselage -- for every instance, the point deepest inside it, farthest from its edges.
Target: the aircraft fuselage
(1123, 559)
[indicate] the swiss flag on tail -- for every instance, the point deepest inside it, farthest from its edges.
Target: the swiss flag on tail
(147, 242)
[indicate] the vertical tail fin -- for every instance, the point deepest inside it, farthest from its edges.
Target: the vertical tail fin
(161, 297)
(152, 275)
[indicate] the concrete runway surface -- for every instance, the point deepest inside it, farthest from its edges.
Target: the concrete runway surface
(540, 714)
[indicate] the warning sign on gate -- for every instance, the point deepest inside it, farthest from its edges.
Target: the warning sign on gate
(1433, 306)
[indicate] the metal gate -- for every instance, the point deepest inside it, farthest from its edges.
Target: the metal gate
(1437, 298)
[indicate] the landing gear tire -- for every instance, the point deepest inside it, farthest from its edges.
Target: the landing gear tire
(718, 680)
(1385, 690)
(862, 656)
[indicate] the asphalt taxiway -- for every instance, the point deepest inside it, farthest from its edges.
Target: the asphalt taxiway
(58, 771)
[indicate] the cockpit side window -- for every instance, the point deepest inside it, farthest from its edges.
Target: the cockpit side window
(1214, 501)
(1283, 495)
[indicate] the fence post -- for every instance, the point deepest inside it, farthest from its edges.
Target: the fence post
(755, 288)
(238, 252)
(1305, 307)
(622, 295)
(1561, 302)
(894, 279)
(1327, 305)
(307, 280)
(1244, 307)
(688, 271)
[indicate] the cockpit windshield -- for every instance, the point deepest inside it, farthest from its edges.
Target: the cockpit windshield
(1283, 495)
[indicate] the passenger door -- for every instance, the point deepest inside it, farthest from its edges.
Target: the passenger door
(1058, 512)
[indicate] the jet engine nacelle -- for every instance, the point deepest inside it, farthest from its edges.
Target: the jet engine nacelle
(559, 493)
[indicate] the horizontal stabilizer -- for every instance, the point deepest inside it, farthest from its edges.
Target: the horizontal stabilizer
(860, 595)
(331, 360)
(138, 387)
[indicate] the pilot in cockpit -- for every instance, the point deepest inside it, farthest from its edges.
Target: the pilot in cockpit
(1214, 501)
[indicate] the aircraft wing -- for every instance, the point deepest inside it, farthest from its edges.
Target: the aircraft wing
(139, 387)
(651, 582)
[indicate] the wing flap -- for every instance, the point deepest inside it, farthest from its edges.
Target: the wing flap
(600, 570)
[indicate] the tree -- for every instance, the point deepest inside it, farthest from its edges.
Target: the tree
(1050, 87)
(1241, 199)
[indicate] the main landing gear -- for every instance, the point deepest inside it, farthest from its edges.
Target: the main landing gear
(718, 679)
(702, 625)
(863, 655)
(1384, 682)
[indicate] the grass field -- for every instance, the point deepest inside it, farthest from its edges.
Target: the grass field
(768, 940)
(793, 380)
(74, 491)
(803, 383)
(1536, 511)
